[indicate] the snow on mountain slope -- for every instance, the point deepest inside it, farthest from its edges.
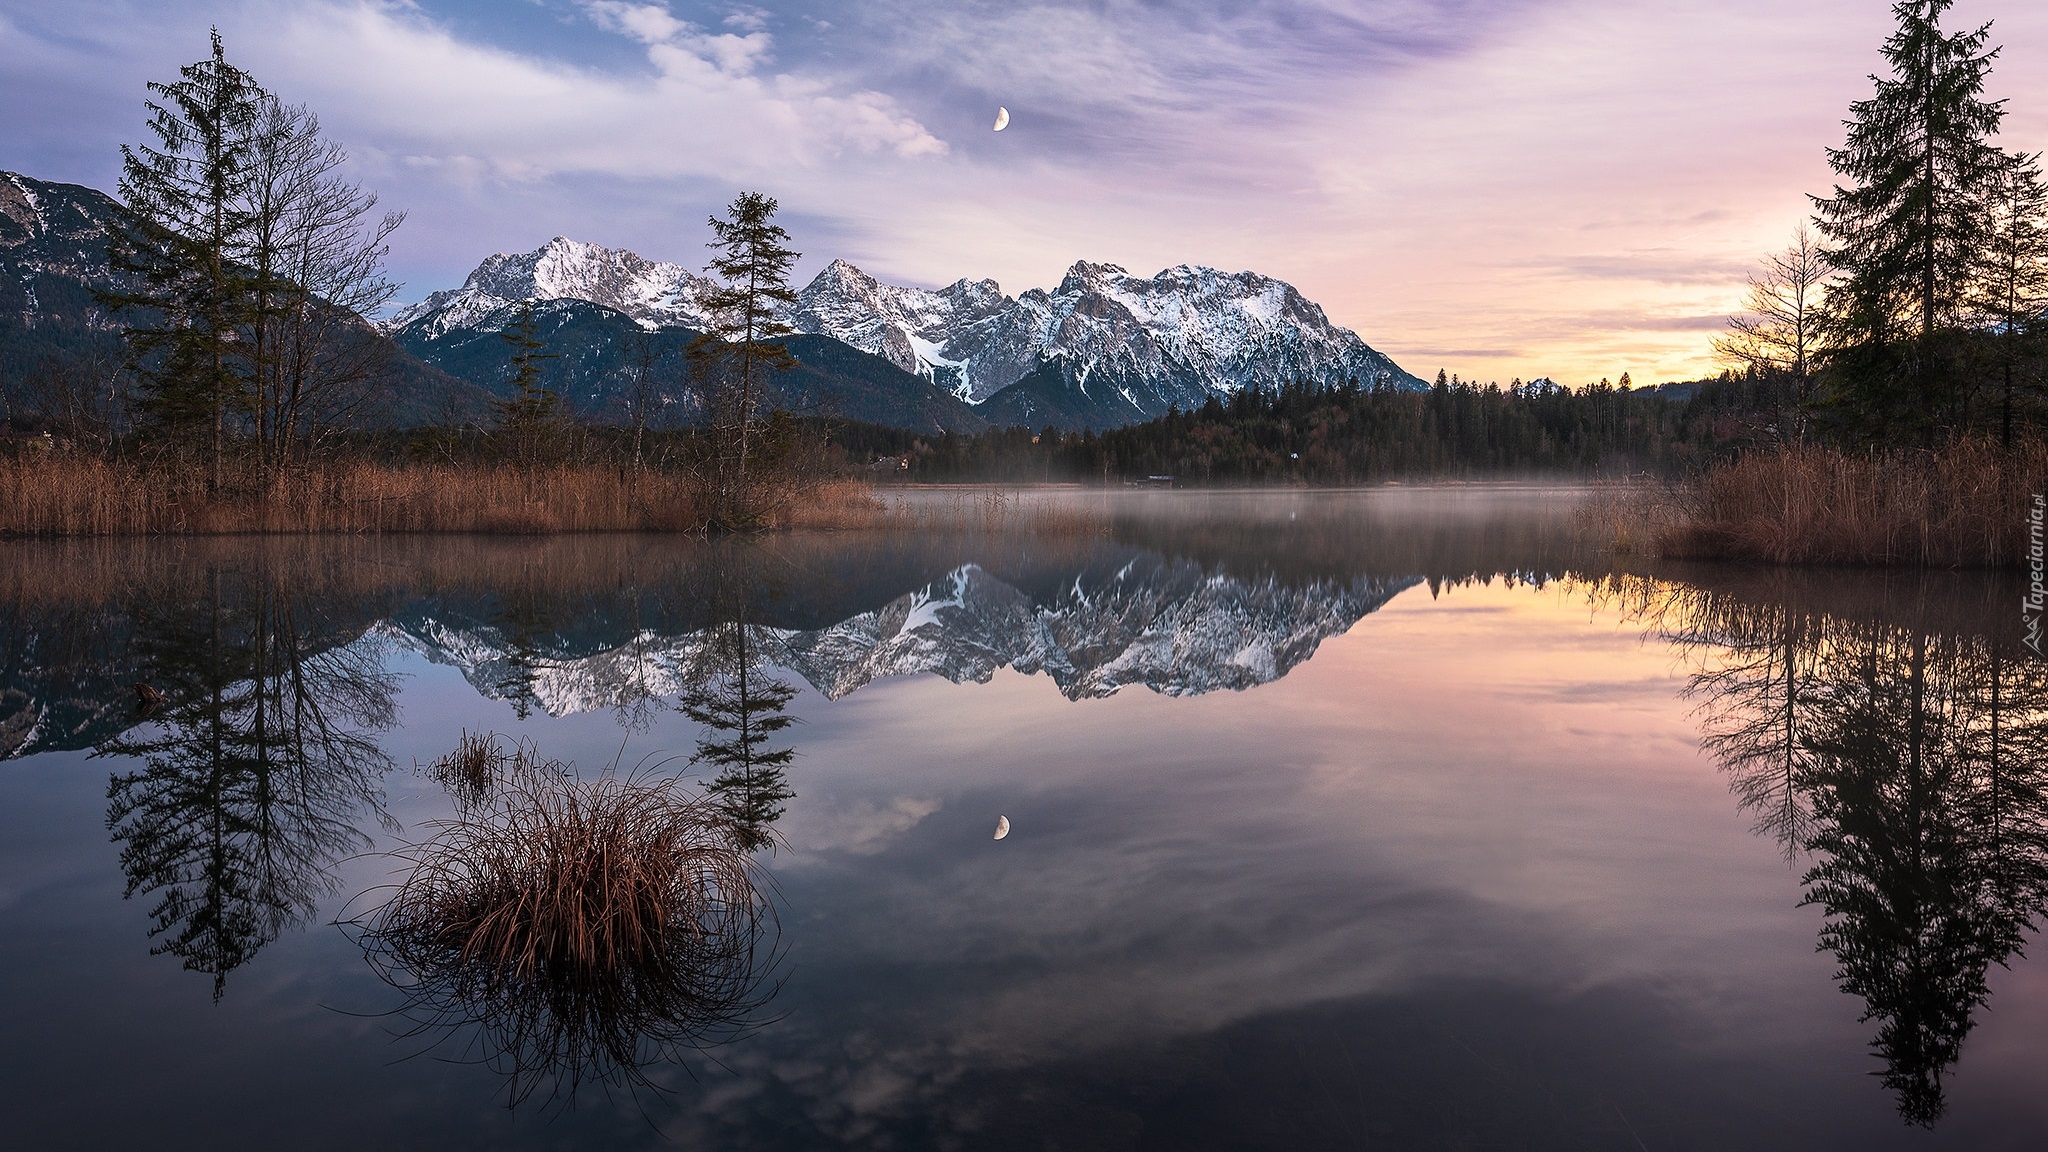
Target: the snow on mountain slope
(652, 293)
(1219, 332)
(50, 230)
(1178, 337)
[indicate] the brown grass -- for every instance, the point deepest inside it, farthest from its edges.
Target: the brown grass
(471, 771)
(584, 928)
(1962, 506)
(87, 496)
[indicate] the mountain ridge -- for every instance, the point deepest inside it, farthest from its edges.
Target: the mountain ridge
(1101, 349)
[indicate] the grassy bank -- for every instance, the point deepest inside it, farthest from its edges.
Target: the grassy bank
(83, 496)
(1966, 505)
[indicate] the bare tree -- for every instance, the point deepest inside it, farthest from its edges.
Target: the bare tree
(315, 246)
(1781, 331)
(642, 396)
(78, 397)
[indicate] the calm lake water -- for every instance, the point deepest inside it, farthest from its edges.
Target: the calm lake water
(1377, 820)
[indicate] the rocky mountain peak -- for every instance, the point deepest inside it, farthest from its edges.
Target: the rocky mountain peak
(653, 293)
(1178, 337)
(1111, 346)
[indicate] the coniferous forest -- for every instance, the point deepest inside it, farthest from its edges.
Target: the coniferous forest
(1358, 435)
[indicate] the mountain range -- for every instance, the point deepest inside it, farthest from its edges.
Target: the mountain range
(53, 257)
(1102, 349)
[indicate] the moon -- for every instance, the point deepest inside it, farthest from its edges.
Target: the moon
(1002, 827)
(1002, 122)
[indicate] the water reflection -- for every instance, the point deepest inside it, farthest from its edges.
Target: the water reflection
(741, 708)
(1906, 758)
(567, 932)
(1894, 748)
(258, 767)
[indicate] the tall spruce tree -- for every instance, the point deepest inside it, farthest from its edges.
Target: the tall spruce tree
(1906, 226)
(186, 215)
(2014, 281)
(529, 422)
(738, 357)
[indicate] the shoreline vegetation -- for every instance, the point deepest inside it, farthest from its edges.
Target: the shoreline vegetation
(65, 496)
(1967, 505)
(1885, 401)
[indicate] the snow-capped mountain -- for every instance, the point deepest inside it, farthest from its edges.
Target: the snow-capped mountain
(53, 247)
(1205, 331)
(652, 293)
(1168, 626)
(1103, 348)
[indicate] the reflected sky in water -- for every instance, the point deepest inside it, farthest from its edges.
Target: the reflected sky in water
(1336, 821)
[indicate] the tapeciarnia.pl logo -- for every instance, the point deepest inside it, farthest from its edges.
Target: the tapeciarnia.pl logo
(2037, 561)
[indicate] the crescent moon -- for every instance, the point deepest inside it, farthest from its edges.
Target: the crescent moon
(1002, 827)
(1002, 119)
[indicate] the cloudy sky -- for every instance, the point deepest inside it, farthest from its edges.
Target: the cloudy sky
(1499, 188)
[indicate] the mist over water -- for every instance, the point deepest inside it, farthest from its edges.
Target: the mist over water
(1386, 819)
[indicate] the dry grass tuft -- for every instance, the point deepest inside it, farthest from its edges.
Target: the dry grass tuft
(586, 929)
(836, 504)
(471, 772)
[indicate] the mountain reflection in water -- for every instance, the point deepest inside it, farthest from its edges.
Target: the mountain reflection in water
(1886, 734)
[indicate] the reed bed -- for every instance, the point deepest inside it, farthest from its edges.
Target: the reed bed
(1967, 505)
(573, 930)
(87, 496)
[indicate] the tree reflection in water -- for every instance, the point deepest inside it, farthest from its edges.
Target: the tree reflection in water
(741, 708)
(1908, 760)
(255, 772)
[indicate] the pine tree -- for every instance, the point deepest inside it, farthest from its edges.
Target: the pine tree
(2014, 281)
(1906, 232)
(186, 216)
(529, 422)
(737, 359)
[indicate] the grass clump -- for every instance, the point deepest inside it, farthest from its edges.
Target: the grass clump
(575, 930)
(472, 770)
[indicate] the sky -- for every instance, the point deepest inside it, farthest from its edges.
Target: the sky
(1496, 188)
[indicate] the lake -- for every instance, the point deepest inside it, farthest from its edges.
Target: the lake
(1389, 819)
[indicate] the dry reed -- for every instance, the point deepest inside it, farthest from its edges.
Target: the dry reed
(1963, 506)
(88, 496)
(471, 771)
(576, 930)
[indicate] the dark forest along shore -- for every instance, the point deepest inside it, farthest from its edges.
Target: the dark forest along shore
(1400, 818)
